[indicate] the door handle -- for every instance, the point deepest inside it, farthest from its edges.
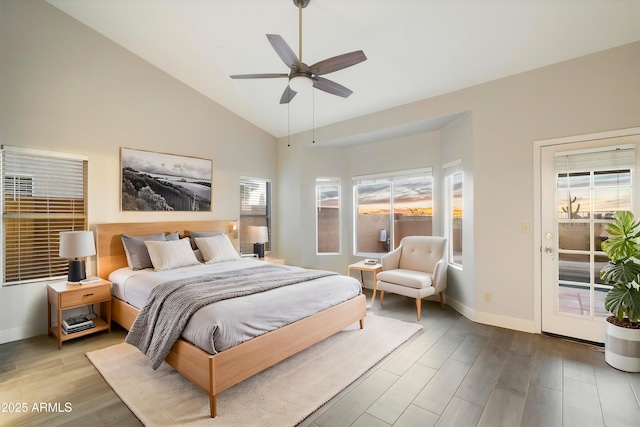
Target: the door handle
(548, 250)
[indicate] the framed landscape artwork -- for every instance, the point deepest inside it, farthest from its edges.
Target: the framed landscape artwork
(164, 182)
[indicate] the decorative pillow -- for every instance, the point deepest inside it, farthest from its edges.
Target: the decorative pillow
(195, 234)
(136, 251)
(173, 236)
(216, 249)
(171, 254)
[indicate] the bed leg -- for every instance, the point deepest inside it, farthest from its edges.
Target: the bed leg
(362, 323)
(213, 406)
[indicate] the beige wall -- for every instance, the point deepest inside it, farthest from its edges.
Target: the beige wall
(457, 144)
(302, 162)
(589, 94)
(64, 87)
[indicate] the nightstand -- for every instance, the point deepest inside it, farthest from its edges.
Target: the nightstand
(272, 260)
(66, 297)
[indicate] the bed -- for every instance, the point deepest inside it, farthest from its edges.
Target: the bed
(214, 373)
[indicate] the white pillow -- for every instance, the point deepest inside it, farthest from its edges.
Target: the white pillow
(171, 254)
(216, 249)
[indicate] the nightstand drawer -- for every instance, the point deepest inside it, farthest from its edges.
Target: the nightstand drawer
(84, 296)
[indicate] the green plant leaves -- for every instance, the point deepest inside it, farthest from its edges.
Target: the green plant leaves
(624, 269)
(623, 301)
(623, 243)
(621, 272)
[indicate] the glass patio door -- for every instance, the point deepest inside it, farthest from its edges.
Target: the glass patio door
(582, 186)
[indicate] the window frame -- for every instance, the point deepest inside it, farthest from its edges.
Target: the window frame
(390, 177)
(329, 181)
(243, 225)
(451, 170)
(55, 200)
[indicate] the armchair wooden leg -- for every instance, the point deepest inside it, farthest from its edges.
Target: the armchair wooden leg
(419, 307)
(381, 296)
(442, 300)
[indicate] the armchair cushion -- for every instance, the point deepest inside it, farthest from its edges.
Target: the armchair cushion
(421, 253)
(410, 278)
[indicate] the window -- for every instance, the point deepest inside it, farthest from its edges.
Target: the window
(16, 186)
(591, 186)
(453, 178)
(43, 193)
(389, 207)
(255, 209)
(328, 224)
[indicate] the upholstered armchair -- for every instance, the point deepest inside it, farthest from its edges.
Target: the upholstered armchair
(417, 268)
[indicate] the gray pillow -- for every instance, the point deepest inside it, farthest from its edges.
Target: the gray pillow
(137, 253)
(194, 234)
(173, 236)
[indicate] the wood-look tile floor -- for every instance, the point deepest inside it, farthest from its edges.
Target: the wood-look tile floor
(453, 373)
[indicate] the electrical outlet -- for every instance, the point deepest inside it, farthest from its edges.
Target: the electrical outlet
(526, 228)
(488, 297)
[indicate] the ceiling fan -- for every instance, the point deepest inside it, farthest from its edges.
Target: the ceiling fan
(301, 74)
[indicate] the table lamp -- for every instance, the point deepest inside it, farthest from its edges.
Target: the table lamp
(258, 235)
(75, 245)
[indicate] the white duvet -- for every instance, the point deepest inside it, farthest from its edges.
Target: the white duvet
(224, 324)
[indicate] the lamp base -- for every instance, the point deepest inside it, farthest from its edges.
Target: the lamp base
(258, 249)
(77, 271)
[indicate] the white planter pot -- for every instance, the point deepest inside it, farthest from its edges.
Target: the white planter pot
(622, 348)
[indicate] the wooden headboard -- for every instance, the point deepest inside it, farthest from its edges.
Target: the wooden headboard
(110, 252)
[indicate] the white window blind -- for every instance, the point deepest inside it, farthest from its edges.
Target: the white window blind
(622, 157)
(255, 210)
(43, 193)
(452, 167)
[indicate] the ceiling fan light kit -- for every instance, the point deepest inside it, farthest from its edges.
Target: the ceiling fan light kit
(300, 83)
(301, 76)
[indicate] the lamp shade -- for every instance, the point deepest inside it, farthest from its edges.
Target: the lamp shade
(76, 244)
(258, 234)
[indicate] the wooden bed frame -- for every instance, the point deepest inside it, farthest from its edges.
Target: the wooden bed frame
(214, 374)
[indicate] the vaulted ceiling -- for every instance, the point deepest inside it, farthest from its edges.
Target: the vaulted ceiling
(416, 49)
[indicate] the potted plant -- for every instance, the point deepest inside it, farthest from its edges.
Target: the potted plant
(622, 339)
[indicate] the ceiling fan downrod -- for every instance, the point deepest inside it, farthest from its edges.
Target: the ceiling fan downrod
(300, 4)
(300, 30)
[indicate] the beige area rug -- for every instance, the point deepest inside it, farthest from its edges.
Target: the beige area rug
(282, 395)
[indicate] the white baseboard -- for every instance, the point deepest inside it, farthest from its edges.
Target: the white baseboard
(21, 333)
(492, 319)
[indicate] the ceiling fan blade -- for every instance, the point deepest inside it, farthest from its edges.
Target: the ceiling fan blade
(337, 62)
(259, 76)
(284, 51)
(331, 87)
(287, 95)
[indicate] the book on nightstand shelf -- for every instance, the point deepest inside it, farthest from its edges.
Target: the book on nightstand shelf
(77, 324)
(73, 330)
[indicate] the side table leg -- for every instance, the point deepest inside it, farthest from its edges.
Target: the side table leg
(375, 285)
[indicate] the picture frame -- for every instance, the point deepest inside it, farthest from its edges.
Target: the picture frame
(153, 181)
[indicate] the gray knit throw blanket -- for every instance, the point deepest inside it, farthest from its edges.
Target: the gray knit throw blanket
(171, 304)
